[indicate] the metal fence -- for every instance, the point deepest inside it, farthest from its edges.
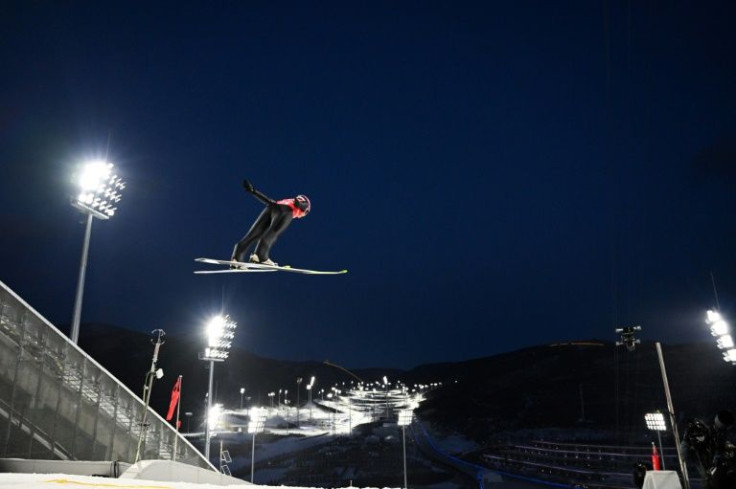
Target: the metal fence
(56, 402)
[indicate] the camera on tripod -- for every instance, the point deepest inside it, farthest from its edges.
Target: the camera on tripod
(710, 448)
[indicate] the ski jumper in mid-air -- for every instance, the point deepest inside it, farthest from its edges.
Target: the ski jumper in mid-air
(271, 223)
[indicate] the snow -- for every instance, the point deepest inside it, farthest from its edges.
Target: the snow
(46, 481)
(319, 422)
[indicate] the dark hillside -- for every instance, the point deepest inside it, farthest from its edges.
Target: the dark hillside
(573, 386)
(592, 385)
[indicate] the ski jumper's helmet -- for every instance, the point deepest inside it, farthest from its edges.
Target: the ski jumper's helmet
(303, 204)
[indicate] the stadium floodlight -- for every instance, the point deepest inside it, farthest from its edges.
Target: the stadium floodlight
(721, 330)
(405, 417)
(99, 193)
(656, 422)
(255, 425)
(730, 355)
(220, 333)
(257, 420)
(725, 342)
(712, 316)
(99, 190)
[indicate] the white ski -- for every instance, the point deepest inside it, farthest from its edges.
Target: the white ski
(259, 267)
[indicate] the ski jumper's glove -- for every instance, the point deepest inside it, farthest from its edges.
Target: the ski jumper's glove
(257, 193)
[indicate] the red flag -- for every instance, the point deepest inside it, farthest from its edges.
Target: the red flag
(174, 399)
(655, 457)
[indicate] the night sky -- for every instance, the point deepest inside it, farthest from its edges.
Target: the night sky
(494, 175)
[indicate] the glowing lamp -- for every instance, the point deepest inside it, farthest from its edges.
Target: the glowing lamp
(655, 421)
(725, 342)
(730, 355)
(99, 190)
(405, 417)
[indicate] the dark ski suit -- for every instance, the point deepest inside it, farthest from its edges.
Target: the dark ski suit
(271, 223)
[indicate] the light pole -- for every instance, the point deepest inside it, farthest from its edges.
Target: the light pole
(153, 373)
(242, 391)
(309, 391)
(298, 383)
(656, 422)
(309, 403)
(270, 396)
(350, 415)
(99, 193)
(188, 415)
(255, 425)
(332, 413)
(385, 384)
(220, 333)
(404, 421)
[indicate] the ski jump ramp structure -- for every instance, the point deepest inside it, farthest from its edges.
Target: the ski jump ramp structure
(57, 403)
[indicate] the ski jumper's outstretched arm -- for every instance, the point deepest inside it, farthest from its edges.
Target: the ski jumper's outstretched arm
(257, 193)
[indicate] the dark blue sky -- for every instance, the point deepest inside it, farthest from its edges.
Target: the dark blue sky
(494, 175)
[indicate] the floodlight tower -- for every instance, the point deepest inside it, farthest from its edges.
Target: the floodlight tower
(656, 422)
(220, 332)
(255, 425)
(99, 192)
(405, 417)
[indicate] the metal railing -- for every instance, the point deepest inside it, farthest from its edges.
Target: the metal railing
(56, 402)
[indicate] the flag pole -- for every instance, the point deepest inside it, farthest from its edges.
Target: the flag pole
(176, 425)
